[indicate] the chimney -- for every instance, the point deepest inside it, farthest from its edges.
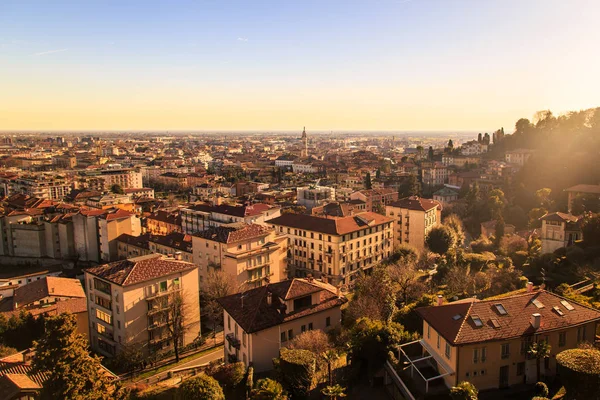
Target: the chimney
(529, 287)
(536, 320)
(178, 255)
(337, 292)
(269, 298)
(440, 300)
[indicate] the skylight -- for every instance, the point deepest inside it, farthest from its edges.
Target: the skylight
(558, 311)
(567, 305)
(537, 303)
(495, 323)
(500, 308)
(457, 317)
(477, 321)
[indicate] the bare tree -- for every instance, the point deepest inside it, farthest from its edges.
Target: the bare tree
(403, 275)
(178, 319)
(217, 284)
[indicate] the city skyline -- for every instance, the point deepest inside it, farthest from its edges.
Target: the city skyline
(411, 65)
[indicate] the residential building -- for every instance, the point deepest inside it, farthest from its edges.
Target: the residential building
(51, 187)
(199, 217)
(445, 195)
(260, 321)
(582, 189)
(313, 196)
(250, 252)
(375, 199)
(487, 342)
(335, 248)
(413, 218)
(518, 156)
(126, 177)
(304, 168)
(129, 246)
(435, 174)
(110, 226)
(129, 302)
(285, 161)
(559, 230)
(473, 147)
(13, 279)
(163, 222)
(174, 244)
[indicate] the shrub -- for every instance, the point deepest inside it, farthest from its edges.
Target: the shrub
(464, 391)
(297, 369)
(230, 375)
(201, 387)
(268, 389)
(541, 389)
(481, 245)
(580, 373)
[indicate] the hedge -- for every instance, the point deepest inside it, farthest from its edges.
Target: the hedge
(297, 371)
(579, 371)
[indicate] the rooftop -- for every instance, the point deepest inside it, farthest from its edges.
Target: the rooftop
(232, 234)
(416, 203)
(331, 225)
(48, 286)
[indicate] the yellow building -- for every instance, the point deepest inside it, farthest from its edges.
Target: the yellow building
(559, 230)
(129, 301)
(413, 218)
(487, 342)
(250, 252)
(335, 248)
(259, 322)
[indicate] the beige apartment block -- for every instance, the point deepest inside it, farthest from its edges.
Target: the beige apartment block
(414, 217)
(335, 248)
(129, 302)
(253, 253)
(487, 342)
(110, 226)
(260, 321)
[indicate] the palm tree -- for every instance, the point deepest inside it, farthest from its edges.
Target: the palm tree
(540, 351)
(334, 392)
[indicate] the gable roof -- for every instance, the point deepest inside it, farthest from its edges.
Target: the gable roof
(331, 225)
(559, 217)
(416, 203)
(48, 286)
(516, 323)
(582, 188)
(252, 312)
(235, 211)
(139, 269)
(232, 234)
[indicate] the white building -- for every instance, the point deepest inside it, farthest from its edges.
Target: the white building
(313, 196)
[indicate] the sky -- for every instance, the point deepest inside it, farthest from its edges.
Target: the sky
(284, 64)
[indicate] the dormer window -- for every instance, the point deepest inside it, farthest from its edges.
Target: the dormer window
(302, 302)
(500, 308)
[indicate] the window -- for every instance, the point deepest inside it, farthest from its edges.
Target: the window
(104, 303)
(328, 321)
(244, 339)
(302, 302)
(163, 286)
(483, 354)
(500, 308)
(477, 321)
(310, 326)
(567, 305)
(537, 303)
(303, 328)
(438, 341)
(428, 331)
(505, 350)
(562, 339)
(290, 334)
(448, 350)
(558, 311)
(102, 316)
(581, 334)
(119, 324)
(475, 356)
(100, 285)
(229, 322)
(283, 337)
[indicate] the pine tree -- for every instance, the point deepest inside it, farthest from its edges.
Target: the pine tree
(368, 184)
(72, 372)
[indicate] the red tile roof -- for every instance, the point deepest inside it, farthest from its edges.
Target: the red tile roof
(516, 323)
(584, 189)
(559, 217)
(45, 287)
(416, 203)
(139, 269)
(331, 225)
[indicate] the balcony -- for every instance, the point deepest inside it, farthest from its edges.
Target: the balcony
(156, 325)
(172, 289)
(159, 339)
(258, 278)
(158, 308)
(233, 341)
(264, 264)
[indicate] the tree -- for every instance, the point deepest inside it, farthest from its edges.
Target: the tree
(430, 153)
(230, 375)
(378, 174)
(217, 284)
(201, 387)
(178, 319)
(72, 372)
(450, 144)
(543, 197)
(268, 389)
(368, 184)
(297, 369)
(579, 371)
(454, 222)
(403, 275)
(540, 351)
(373, 296)
(499, 231)
(330, 356)
(591, 230)
(440, 239)
(334, 392)
(464, 391)
(7, 351)
(585, 202)
(541, 389)
(117, 189)
(496, 203)
(534, 217)
(315, 341)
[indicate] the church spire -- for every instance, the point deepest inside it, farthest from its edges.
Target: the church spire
(305, 143)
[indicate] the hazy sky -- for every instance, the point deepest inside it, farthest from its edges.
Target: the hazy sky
(283, 64)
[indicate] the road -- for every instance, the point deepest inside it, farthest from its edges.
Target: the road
(197, 362)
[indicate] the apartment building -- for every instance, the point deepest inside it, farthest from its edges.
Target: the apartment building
(487, 342)
(435, 174)
(129, 246)
(559, 230)
(574, 191)
(51, 187)
(129, 303)
(335, 248)
(518, 156)
(260, 321)
(473, 147)
(175, 243)
(414, 217)
(253, 253)
(163, 222)
(199, 217)
(375, 199)
(313, 196)
(125, 177)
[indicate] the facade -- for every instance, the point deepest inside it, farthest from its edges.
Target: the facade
(487, 342)
(304, 168)
(51, 187)
(314, 196)
(577, 190)
(127, 178)
(285, 161)
(200, 217)
(163, 222)
(413, 218)
(252, 253)
(518, 156)
(445, 195)
(559, 230)
(375, 199)
(129, 302)
(110, 226)
(335, 248)
(280, 311)
(473, 147)
(435, 175)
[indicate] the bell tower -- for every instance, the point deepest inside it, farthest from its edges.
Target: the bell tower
(304, 143)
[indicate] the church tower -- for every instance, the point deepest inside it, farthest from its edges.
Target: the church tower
(304, 143)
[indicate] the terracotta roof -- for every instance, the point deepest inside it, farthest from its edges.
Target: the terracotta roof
(236, 211)
(116, 214)
(142, 241)
(232, 234)
(559, 217)
(332, 225)
(252, 312)
(175, 240)
(584, 189)
(166, 217)
(139, 269)
(48, 286)
(456, 324)
(416, 203)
